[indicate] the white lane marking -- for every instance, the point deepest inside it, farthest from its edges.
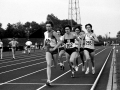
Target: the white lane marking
(30, 74)
(23, 56)
(22, 67)
(23, 62)
(51, 84)
(64, 73)
(96, 80)
(23, 59)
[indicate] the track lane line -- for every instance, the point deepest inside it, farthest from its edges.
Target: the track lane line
(38, 71)
(98, 77)
(65, 72)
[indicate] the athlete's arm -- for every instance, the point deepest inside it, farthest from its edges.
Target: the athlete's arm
(94, 38)
(83, 40)
(78, 41)
(44, 41)
(58, 39)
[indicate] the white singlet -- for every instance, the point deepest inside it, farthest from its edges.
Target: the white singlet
(28, 43)
(1, 44)
(51, 41)
(88, 42)
(13, 43)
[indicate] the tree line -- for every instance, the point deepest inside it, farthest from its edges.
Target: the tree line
(36, 30)
(31, 29)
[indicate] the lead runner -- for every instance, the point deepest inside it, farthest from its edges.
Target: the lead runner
(89, 47)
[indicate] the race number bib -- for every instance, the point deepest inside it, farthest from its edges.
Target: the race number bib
(69, 45)
(88, 42)
(47, 41)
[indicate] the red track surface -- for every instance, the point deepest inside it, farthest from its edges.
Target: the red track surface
(28, 72)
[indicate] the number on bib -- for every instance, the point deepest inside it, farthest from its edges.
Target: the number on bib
(88, 42)
(69, 45)
(47, 41)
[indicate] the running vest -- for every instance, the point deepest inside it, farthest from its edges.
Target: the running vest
(69, 43)
(88, 42)
(50, 41)
(28, 43)
(1, 44)
(13, 43)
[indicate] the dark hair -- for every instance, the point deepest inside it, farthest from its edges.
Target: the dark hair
(49, 22)
(13, 38)
(78, 26)
(88, 25)
(68, 26)
(59, 31)
(92, 31)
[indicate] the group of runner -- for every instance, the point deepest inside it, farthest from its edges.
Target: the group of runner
(73, 44)
(13, 45)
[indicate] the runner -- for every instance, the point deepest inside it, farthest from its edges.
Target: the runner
(13, 45)
(1, 48)
(50, 44)
(28, 45)
(79, 34)
(71, 52)
(89, 48)
(61, 51)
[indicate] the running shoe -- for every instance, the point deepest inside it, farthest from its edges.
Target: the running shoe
(13, 58)
(76, 68)
(72, 76)
(73, 68)
(93, 70)
(83, 68)
(48, 83)
(87, 71)
(63, 67)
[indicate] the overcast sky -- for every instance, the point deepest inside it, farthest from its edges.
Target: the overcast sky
(104, 15)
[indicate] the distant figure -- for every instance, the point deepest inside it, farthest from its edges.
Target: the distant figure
(28, 44)
(1, 48)
(36, 45)
(41, 45)
(13, 45)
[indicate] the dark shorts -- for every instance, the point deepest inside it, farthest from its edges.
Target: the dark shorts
(0, 47)
(28, 46)
(70, 51)
(89, 50)
(13, 47)
(81, 49)
(61, 48)
(53, 52)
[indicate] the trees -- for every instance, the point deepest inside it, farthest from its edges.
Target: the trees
(118, 34)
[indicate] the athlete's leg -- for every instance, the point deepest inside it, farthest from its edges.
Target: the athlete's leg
(73, 57)
(87, 56)
(82, 59)
(68, 59)
(49, 62)
(61, 60)
(76, 60)
(54, 56)
(93, 62)
(1, 53)
(28, 50)
(13, 53)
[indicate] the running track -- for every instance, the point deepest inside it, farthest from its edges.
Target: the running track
(28, 72)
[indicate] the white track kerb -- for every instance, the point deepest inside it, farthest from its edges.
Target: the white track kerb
(112, 84)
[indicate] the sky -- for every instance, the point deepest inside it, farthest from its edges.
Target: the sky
(104, 15)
